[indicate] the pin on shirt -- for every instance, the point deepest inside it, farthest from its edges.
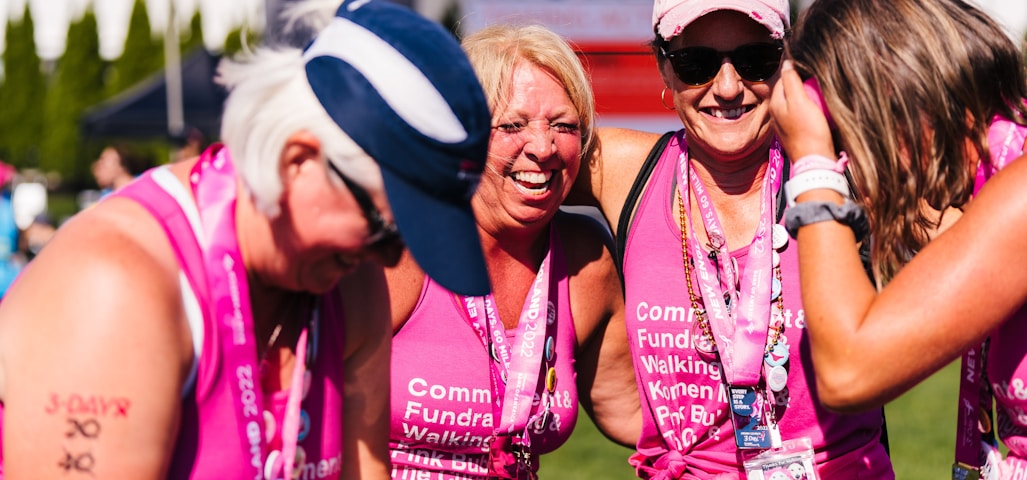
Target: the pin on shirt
(779, 237)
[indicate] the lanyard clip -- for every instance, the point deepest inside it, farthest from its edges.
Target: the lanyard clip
(962, 471)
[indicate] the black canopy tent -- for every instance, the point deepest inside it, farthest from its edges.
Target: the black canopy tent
(141, 112)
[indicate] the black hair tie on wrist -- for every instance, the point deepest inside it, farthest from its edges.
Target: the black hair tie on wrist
(848, 213)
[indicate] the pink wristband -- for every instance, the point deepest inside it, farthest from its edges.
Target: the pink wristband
(819, 162)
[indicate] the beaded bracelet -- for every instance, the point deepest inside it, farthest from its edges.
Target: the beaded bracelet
(848, 213)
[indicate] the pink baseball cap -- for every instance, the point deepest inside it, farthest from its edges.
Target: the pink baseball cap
(670, 17)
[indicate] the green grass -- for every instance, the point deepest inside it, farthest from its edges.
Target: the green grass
(921, 429)
(587, 455)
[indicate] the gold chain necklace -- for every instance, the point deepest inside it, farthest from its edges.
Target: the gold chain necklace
(700, 313)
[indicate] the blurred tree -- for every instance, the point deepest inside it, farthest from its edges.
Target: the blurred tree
(187, 41)
(41, 103)
(143, 58)
(21, 96)
(144, 54)
(77, 82)
(239, 40)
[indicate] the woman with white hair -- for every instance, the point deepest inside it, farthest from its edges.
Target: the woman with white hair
(225, 316)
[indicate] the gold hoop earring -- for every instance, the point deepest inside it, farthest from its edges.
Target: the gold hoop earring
(663, 99)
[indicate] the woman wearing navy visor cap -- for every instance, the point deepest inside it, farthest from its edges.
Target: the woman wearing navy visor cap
(228, 315)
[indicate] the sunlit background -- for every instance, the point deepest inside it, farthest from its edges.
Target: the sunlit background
(78, 75)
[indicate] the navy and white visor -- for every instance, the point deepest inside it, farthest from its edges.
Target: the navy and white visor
(401, 87)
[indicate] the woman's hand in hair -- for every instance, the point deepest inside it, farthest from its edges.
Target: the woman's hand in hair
(799, 121)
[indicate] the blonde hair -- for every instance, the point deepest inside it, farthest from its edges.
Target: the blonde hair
(910, 83)
(495, 52)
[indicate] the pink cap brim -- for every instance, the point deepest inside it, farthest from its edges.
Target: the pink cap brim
(671, 23)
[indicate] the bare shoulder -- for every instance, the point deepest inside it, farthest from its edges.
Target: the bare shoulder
(622, 153)
(612, 169)
(107, 274)
(595, 286)
(620, 145)
(95, 326)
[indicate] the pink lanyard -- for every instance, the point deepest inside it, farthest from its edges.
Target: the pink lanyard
(1005, 141)
(741, 349)
(516, 364)
(214, 186)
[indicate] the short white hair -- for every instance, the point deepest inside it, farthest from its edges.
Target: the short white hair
(307, 17)
(269, 99)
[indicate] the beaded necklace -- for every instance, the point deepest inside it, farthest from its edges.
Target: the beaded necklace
(706, 345)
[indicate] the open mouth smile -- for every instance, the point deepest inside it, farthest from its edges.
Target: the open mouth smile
(533, 183)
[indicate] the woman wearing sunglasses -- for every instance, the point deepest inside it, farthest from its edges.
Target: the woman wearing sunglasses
(939, 171)
(714, 319)
(482, 385)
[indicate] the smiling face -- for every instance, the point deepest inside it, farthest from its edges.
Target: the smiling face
(534, 152)
(728, 118)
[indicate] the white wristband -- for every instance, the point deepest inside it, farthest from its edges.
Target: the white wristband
(814, 179)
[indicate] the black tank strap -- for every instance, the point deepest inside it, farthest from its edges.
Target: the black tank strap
(628, 210)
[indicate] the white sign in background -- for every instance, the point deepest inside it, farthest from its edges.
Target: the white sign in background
(600, 21)
(1011, 14)
(631, 20)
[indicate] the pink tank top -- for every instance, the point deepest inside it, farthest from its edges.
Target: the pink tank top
(208, 443)
(687, 430)
(1007, 351)
(442, 413)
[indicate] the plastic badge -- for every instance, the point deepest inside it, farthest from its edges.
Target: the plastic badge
(992, 461)
(990, 471)
(961, 471)
(792, 461)
(752, 431)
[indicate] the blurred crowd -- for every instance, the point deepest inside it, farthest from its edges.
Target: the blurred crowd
(27, 221)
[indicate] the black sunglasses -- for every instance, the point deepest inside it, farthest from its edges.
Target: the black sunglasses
(697, 66)
(379, 232)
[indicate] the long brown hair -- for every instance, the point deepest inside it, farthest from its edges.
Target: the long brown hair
(912, 86)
